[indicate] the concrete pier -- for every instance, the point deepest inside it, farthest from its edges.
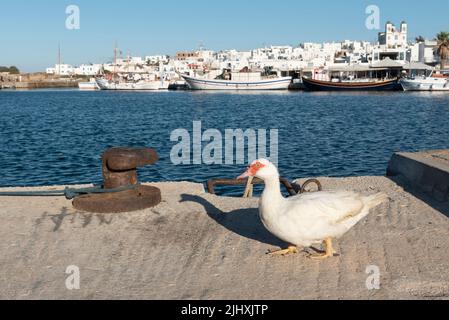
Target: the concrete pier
(45, 84)
(428, 171)
(199, 246)
(36, 81)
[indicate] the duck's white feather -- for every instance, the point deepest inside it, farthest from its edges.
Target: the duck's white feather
(310, 218)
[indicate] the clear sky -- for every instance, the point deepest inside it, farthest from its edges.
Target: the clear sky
(31, 29)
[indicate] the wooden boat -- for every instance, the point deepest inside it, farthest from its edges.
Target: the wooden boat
(133, 85)
(318, 85)
(245, 81)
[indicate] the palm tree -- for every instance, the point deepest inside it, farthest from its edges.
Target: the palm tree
(443, 47)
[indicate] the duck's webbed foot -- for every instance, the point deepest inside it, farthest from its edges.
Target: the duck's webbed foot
(329, 253)
(291, 250)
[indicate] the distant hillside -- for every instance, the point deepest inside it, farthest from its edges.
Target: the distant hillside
(11, 70)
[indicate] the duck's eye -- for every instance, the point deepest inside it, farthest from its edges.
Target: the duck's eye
(257, 165)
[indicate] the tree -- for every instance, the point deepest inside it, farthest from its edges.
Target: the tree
(11, 70)
(14, 70)
(443, 47)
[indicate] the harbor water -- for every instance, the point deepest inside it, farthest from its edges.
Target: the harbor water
(56, 137)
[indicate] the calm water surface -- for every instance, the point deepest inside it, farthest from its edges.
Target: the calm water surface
(57, 137)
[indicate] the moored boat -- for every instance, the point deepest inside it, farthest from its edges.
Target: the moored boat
(353, 85)
(87, 86)
(432, 83)
(105, 84)
(239, 81)
(132, 80)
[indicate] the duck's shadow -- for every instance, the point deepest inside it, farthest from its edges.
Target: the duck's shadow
(244, 222)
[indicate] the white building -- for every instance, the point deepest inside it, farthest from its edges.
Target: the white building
(156, 59)
(427, 52)
(392, 44)
(130, 61)
(393, 37)
(88, 69)
(61, 70)
(68, 70)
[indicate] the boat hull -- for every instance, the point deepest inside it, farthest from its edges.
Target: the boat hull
(316, 85)
(270, 84)
(152, 85)
(88, 86)
(428, 84)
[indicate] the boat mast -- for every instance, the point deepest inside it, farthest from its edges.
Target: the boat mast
(59, 59)
(128, 61)
(115, 61)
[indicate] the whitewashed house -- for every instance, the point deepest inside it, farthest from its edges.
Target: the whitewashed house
(427, 52)
(155, 59)
(61, 70)
(88, 69)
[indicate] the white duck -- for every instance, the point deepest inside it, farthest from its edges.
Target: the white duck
(310, 218)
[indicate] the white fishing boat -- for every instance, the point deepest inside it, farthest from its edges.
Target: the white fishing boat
(88, 86)
(434, 82)
(105, 84)
(132, 80)
(239, 81)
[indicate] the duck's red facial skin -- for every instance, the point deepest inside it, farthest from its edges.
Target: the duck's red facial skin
(252, 170)
(255, 168)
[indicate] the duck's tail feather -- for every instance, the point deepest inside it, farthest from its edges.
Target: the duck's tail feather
(376, 200)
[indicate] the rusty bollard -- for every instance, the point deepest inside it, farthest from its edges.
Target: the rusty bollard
(120, 171)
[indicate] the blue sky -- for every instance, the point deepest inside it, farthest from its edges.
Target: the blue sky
(31, 29)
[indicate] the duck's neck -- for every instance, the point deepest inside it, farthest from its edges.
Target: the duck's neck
(272, 195)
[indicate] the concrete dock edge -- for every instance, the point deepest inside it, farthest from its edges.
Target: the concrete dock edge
(428, 171)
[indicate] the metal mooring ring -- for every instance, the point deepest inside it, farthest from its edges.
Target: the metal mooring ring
(311, 181)
(292, 188)
(300, 189)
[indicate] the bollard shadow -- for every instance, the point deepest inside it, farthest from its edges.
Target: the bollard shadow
(418, 193)
(244, 222)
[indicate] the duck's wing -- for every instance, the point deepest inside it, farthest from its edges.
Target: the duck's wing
(332, 207)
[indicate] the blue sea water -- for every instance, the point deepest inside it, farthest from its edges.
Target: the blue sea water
(56, 137)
